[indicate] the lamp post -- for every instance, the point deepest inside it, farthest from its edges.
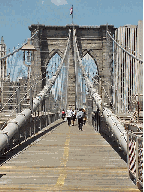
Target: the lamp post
(28, 59)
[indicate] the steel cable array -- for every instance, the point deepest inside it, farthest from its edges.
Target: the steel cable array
(34, 79)
(11, 54)
(107, 95)
(127, 73)
(13, 127)
(19, 88)
(110, 117)
(124, 49)
(14, 66)
(24, 97)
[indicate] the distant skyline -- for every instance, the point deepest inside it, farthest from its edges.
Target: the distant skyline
(16, 16)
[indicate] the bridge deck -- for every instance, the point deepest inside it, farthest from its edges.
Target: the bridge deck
(66, 159)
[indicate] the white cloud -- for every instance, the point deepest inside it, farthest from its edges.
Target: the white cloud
(59, 2)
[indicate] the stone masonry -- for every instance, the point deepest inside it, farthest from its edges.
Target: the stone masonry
(53, 39)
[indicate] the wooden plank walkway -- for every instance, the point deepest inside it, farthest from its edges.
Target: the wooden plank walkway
(66, 159)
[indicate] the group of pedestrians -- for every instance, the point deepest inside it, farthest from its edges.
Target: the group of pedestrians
(72, 115)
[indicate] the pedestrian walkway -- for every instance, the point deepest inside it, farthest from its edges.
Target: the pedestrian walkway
(66, 159)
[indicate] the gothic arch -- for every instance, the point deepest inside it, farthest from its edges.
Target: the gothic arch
(52, 53)
(91, 53)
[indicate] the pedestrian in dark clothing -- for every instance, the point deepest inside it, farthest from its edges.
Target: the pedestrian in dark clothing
(63, 114)
(73, 117)
(84, 116)
(80, 119)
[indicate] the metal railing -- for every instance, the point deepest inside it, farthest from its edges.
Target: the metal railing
(15, 126)
(112, 120)
(135, 156)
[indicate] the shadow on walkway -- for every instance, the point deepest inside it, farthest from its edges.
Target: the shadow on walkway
(1, 175)
(115, 146)
(25, 144)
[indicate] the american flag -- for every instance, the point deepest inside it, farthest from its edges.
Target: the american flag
(71, 10)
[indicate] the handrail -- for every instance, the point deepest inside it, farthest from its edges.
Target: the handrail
(14, 125)
(110, 117)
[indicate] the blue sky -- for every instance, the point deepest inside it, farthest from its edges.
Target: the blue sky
(17, 15)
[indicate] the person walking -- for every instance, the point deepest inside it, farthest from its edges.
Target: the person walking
(76, 111)
(79, 116)
(73, 117)
(69, 115)
(63, 114)
(84, 116)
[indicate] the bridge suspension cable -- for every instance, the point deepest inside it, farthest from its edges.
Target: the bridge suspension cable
(22, 99)
(18, 87)
(110, 117)
(10, 67)
(130, 54)
(107, 95)
(127, 71)
(13, 127)
(11, 54)
(52, 80)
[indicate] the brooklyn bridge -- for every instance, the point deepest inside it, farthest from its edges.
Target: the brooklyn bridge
(98, 68)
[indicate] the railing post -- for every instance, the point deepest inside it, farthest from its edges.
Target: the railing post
(18, 100)
(35, 123)
(102, 97)
(40, 122)
(39, 114)
(101, 91)
(1, 92)
(31, 100)
(46, 114)
(25, 135)
(128, 162)
(97, 120)
(49, 119)
(38, 110)
(136, 159)
(100, 86)
(138, 106)
(30, 126)
(44, 110)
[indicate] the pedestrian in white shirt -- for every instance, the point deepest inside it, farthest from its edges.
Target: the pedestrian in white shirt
(69, 115)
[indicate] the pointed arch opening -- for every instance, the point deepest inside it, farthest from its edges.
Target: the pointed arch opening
(91, 69)
(53, 64)
(53, 53)
(55, 93)
(90, 66)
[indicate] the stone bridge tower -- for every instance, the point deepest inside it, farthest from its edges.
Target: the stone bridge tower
(91, 39)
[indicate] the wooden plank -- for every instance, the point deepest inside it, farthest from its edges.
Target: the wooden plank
(66, 159)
